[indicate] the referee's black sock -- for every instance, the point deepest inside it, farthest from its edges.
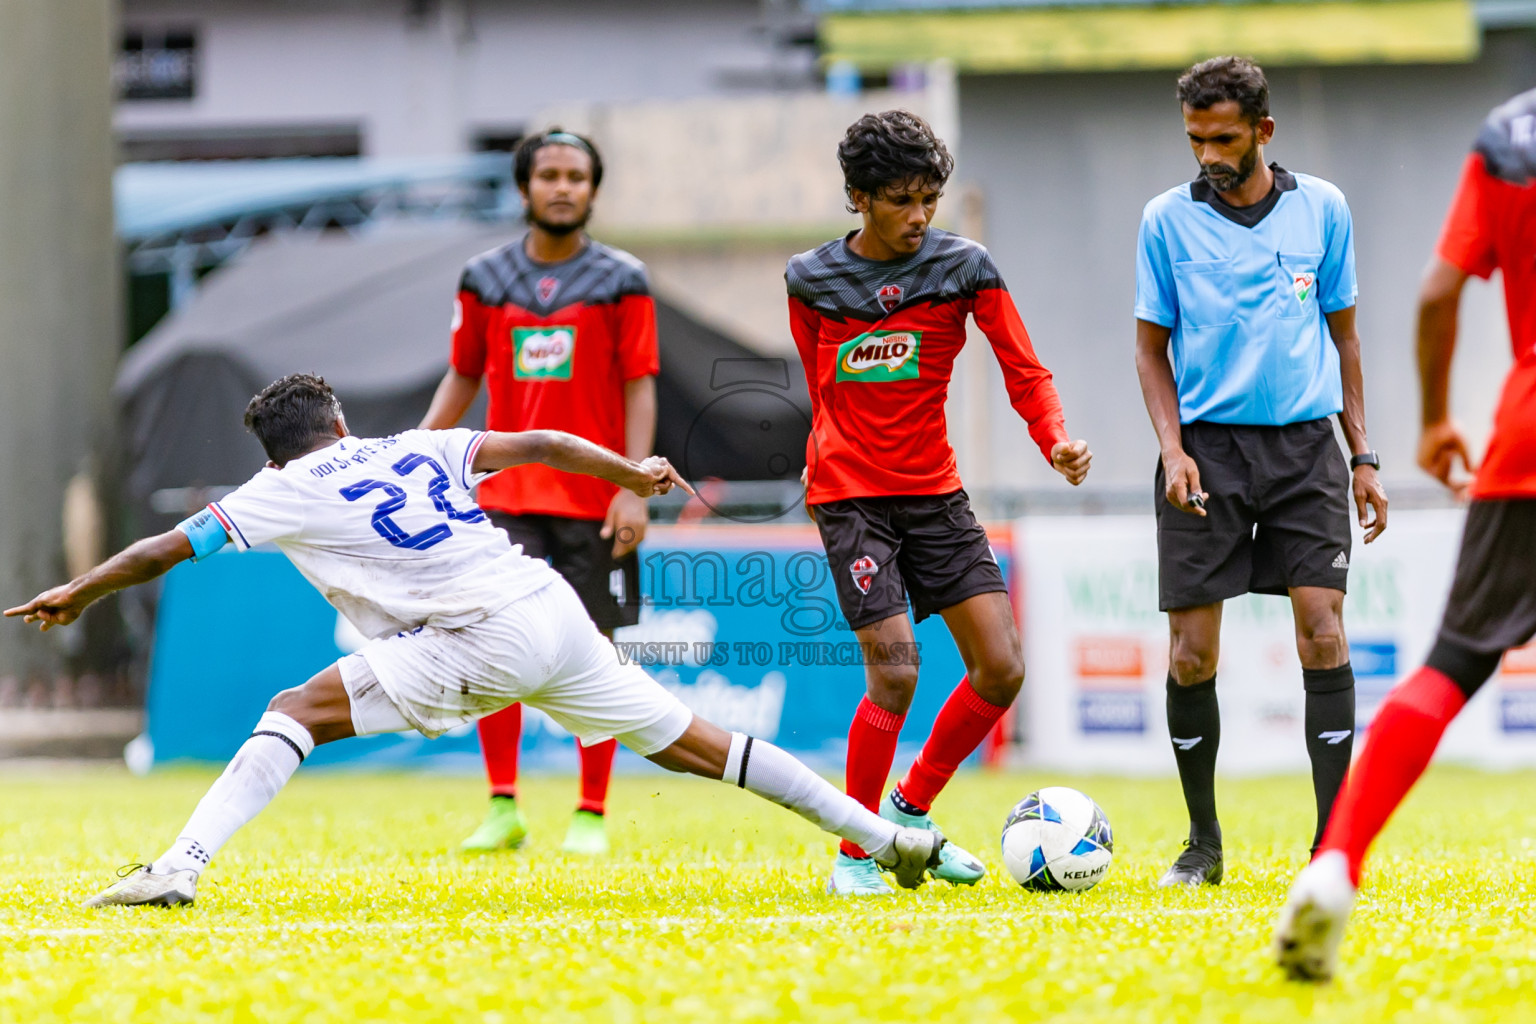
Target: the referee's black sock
(1194, 726)
(1330, 722)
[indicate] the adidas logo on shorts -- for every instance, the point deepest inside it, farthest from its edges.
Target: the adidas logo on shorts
(1342, 561)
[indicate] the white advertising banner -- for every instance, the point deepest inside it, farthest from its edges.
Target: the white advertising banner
(1096, 650)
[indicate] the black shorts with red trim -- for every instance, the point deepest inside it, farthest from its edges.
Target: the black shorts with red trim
(881, 550)
(1493, 598)
(576, 549)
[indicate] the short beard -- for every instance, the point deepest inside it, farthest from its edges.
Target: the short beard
(1225, 178)
(560, 230)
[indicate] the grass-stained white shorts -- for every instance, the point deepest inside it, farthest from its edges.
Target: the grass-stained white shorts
(541, 650)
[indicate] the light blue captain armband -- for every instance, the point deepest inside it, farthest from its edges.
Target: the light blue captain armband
(205, 532)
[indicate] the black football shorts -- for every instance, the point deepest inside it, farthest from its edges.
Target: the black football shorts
(880, 550)
(1276, 515)
(1493, 598)
(609, 590)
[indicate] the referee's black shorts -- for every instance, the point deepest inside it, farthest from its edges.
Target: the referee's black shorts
(1276, 514)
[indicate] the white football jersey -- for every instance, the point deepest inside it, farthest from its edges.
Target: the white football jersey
(386, 529)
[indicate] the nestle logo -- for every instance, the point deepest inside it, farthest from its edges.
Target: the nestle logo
(892, 350)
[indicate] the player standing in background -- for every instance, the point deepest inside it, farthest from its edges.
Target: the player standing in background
(1491, 226)
(879, 317)
(1247, 274)
(462, 624)
(563, 330)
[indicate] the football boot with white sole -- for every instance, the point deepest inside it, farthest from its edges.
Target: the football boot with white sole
(141, 887)
(1313, 919)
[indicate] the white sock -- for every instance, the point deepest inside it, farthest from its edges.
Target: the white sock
(764, 769)
(260, 769)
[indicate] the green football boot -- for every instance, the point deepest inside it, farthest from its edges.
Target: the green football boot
(502, 829)
(955, 865)
(587, 836)
(857, 876)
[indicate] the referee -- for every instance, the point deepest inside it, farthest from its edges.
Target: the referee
(1246, 276)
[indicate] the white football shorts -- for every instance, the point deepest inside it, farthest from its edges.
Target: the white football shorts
(541, 650)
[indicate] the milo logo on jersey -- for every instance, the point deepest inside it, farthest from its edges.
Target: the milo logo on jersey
(543, 353)
(879, 356)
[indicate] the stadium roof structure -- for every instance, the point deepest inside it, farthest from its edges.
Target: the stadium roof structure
(163, 198)
(1003, 36)
(185, 218)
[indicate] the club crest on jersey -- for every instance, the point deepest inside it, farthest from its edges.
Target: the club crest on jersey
(1303, 285)
(543, 353)
(890, 296)
(880, 356)
(863, 571)
(547, 287)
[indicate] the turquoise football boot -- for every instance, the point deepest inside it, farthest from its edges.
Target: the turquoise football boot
(857, 876)
(955, 865)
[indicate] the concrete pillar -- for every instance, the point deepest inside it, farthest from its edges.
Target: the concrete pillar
(59, 298)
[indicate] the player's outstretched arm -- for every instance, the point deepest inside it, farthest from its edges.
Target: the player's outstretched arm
(572, 454)
(137, 563)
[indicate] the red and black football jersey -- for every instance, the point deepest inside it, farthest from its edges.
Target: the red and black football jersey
(879, 341)
(1492, 226)
(555, 344)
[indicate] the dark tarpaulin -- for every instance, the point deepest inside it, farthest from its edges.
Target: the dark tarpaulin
(371, 314)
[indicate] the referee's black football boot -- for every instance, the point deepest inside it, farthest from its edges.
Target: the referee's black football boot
(1199, 864)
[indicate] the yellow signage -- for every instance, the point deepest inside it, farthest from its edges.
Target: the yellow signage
(1122, 38)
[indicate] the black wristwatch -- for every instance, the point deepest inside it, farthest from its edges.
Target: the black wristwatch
(1365, 459)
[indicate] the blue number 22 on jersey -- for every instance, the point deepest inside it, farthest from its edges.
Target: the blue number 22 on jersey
(394, 501)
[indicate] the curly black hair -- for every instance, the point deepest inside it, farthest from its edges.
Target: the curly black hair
(1226, 78)
(522, 156)
(890, 150)
(292, 413)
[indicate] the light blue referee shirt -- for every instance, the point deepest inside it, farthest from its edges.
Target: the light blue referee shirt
(1244, 290)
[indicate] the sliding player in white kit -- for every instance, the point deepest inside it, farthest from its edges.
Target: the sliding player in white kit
(463, 623)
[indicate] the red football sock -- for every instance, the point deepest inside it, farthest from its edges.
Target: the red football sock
(500, 735)
(1401, 740)
(871, 749)
(596, 769)
(963, 723)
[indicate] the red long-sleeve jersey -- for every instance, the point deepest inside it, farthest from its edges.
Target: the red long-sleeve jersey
(1492, 226)
(879, 341)
(556, 344)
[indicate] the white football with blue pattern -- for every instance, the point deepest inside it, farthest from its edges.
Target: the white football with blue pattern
(1057, 839)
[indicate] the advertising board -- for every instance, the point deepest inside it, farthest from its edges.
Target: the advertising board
(740, 621)
(1096, 647)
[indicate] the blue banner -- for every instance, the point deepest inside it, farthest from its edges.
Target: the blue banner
(742, 623)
